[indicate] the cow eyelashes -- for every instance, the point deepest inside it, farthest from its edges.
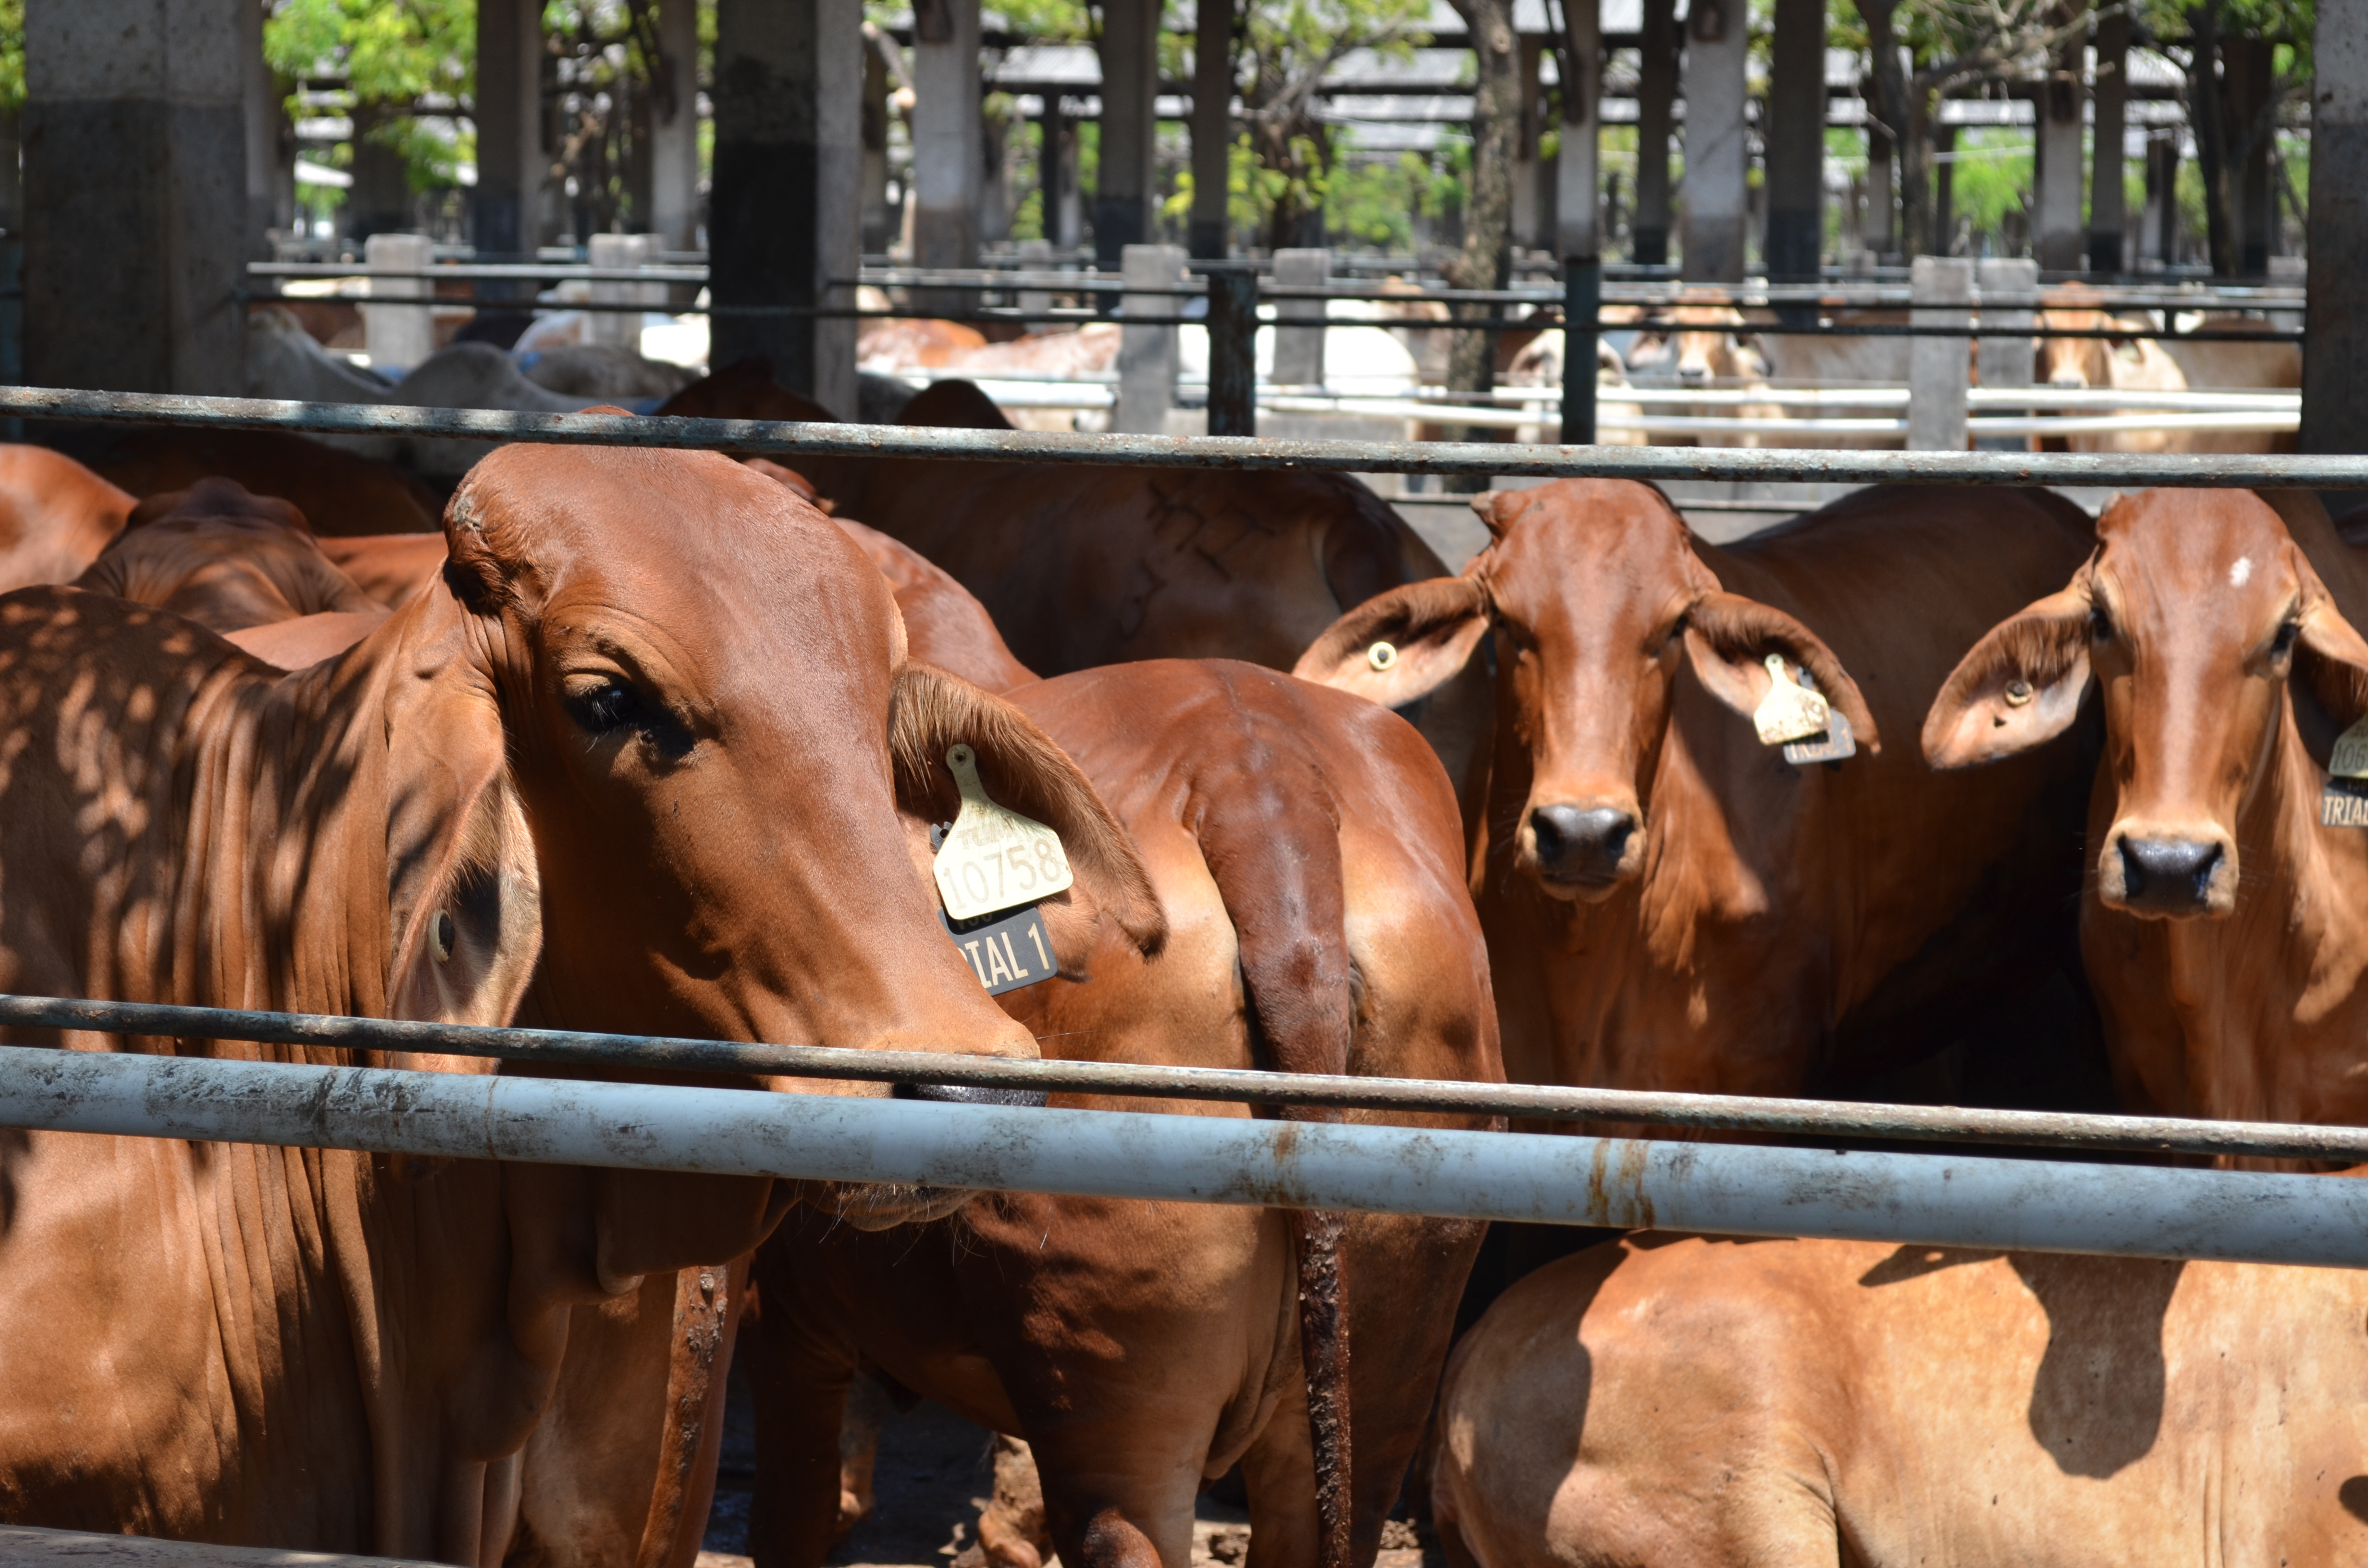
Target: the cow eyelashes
(610, 704)
(2100, 625)
(2283, 644)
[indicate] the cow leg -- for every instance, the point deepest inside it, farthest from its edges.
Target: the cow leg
(1012, 1532)
(798, 1376)
(1278, 1471)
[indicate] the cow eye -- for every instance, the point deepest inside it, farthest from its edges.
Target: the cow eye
(604, 705)
(2283, 644)
(2100, 625)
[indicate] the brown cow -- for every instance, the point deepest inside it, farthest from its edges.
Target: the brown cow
(1685, 1402)
(1084, 567)
(1670, 905)
(55, 517)
(1306, 850)
(390, 568)
(225, 559)
(339, 492)
(2223, 925)
(594, 776)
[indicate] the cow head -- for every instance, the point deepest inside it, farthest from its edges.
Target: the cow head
(1599, 602)
(1701, 347)
(2193, 620)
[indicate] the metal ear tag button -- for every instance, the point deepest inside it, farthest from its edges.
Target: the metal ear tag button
(1788, 712)
(992, 858)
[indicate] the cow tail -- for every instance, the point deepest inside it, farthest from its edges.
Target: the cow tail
(1271, 841)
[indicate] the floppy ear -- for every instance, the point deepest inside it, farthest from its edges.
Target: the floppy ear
(2331, 659)
(2020, 686)
(1730, 637)
(1403, 644)
(464, 896)
(930, 711)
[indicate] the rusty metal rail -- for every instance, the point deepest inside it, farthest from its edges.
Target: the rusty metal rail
(1724, 1188)
(1824, 1119)
(1247, 453)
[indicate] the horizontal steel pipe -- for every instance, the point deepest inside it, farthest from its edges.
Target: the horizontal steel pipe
(1736, 1189)
(775, 439)
(1537, 1102)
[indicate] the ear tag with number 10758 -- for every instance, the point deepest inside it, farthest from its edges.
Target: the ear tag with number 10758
(2343, 800)
(992, 858)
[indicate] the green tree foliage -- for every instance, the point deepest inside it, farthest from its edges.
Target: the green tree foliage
(11, 56)
(392, 55)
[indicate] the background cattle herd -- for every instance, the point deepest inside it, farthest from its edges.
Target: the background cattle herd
(654, 742)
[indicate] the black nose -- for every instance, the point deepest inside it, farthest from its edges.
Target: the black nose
(2173, 875)
(1581, 846)
(963, 1094)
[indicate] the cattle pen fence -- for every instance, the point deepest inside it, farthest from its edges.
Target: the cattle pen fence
(1808, 1188)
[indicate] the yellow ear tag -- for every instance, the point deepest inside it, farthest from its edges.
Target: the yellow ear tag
(1382, 657)
(1788, 712)
(992, 858)
(2350, 758)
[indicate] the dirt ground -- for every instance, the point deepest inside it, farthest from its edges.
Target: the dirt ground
(933, 1477)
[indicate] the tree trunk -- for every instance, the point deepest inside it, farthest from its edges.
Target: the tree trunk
(1486, 258)
(1909, 130)
(2211, 139)
(1916, 171)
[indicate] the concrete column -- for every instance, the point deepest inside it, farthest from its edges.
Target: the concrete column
(1056, 170)
(1945, 190)
(1656, 92)
(2056, 225)
(380, 199)
(879, 219)
(2162, 198)
(674, 128)
(398, 336)
(2244, 85)
(2106, 218)
(1880, 233)
(2334, 415)
(1527, 232)
(1209, 231)
(1578, 164)
(135, 195)
(1939, 367)
(1147, 355)
(783, 220)
(1718, 34)
(2009, 301)
(508, 110)
(1796, 142)
(622, 329)
(948, 143)
(261, 111)
(1130, 52)
(1299, 350)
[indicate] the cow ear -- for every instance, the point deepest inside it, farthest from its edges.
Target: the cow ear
(1728, 639)
(2331, 659)
(930, 711)
(1401, 645)
(464, 896)
(2018, 687)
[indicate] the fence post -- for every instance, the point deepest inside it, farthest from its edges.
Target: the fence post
(621, 328)
(1582, 305)
(398, 336)
(1299, 350)
(1147, 355)
(1233, 351)
(1940, 286)
(2010, 298)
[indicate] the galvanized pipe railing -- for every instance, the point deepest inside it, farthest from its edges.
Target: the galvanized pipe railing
(1731, 1113)
(1731, 1190)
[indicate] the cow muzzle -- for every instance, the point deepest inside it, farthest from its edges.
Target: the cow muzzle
(1581, 852)
(2168, 873)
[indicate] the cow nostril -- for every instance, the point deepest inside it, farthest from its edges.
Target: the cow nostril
(1585, 846)
(2168, 874)
(965, 1094)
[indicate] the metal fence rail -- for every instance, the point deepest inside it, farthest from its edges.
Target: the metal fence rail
(1731, 1190)
(1771, 1116)
(1247, 453)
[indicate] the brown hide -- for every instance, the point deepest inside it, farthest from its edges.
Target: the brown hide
(1305, 847)
(2222, 926)
(1083, 566)
(339, 492)
(1709, 1403)
(599, 756)
(55, 517)
(1670, 903)
(390, 568)
(225, 559)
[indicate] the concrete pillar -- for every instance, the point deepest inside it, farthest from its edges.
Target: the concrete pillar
(1578, 164)
(2334, 415)
(260, 111)
(1209, 231)
(398, 336)
(1796, 142)
(1656, 92)
(1939, 367)
(1718, 35)
(948, 155)
(622, 329)
(1056, 171)
(380, 199)
(2162, 197)
(1147, 355)
(2106, 218)
(1527, 232)
(508, 105)
(135, 195)
(2245, 84)
(2055, 223)
(1880, 230)
(1945, 190)
(674, 128)
(2009, 301)
(879, 219)
(783, 221)
(1130, 52)
(1299, 350)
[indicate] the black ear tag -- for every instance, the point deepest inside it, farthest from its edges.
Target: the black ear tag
(1835, 743)
(1006, 950)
